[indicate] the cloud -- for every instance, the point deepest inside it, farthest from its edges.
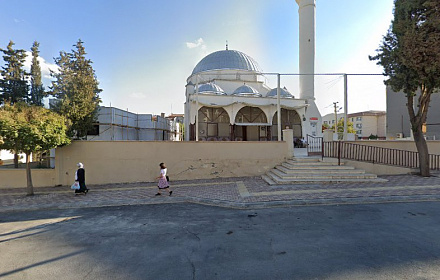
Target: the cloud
(44, 65)
(199, 43)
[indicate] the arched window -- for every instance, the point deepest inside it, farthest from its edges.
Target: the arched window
(250, 115)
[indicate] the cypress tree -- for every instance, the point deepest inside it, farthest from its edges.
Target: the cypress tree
(36, 88)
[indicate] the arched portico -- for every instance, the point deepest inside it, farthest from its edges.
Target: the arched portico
(289, 118)
(251, 125)
(214, 124)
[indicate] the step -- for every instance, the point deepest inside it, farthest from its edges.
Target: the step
(307, 159)
(321, 170)
(268, 179)
(316, 166)
(312, 163)
(323, 176)
(282, 181)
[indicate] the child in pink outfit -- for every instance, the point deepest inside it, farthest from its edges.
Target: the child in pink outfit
(163, 183)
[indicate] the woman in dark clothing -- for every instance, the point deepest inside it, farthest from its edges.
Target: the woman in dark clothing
(80, 177)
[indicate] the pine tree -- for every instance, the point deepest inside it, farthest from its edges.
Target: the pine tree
(36, 88)
(13, 84)
(76, 88)
(410, 57)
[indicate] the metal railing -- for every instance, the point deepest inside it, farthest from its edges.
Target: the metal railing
(315, 145)
(379, 155)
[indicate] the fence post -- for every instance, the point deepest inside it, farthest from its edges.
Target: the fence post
(339, 152)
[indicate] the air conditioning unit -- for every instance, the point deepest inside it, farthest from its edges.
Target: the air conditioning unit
(399, 135)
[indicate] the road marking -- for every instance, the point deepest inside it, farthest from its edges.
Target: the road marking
(243, 191)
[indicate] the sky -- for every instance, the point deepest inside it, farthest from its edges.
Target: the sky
(143, 50)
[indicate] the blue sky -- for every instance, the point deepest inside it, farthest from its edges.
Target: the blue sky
(143, 51)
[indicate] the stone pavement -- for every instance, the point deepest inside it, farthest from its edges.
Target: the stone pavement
(244, 192)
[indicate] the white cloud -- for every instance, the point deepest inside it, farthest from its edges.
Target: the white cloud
(199, 43)
(44, 65)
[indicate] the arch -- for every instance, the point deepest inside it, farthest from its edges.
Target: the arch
(214, 123)
(251, 125)
(250, 114)
(289, 118)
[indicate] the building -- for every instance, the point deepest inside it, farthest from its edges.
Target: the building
(330, 119)
(366, 124)
(369, 124)
(116, 124)
(398, 125)
(177, 128)
(227, 98)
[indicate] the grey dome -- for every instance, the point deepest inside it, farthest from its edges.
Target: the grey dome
(227, 59)
(246, 90)
(283, 93)
(211, 88)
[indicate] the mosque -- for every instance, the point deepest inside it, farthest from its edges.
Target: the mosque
(227, 98)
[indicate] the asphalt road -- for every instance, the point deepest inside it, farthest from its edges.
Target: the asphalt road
(187, 241)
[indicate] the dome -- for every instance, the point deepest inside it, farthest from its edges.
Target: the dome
(227, 59)
(283, 93)
(246, 90)
(211, 88)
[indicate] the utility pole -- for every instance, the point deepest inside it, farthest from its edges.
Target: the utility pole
(335, 104)
(345, 108)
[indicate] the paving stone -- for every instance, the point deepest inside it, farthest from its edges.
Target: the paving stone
(244, 192)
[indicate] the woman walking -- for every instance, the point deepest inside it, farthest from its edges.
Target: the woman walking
(163, 183)
(80, 177)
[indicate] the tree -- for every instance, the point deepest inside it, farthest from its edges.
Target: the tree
(36, 88)
(76, 87)
(13, 84)
(29, 129)
(410, 57)
(340, 124)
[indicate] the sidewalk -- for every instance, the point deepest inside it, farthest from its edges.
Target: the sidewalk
(247, 192)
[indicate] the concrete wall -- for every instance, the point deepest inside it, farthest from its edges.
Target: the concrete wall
(138, 161)
(16, 178)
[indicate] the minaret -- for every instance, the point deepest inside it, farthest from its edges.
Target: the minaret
(306, 12)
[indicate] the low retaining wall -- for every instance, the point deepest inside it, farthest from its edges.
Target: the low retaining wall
(16, 178)
(138, 161)
(407, 145)
(381, 169)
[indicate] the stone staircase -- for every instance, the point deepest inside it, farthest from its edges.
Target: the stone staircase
(305, 170)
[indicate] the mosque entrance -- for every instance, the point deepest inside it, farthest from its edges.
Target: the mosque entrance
(290, 119)
(251, 125)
